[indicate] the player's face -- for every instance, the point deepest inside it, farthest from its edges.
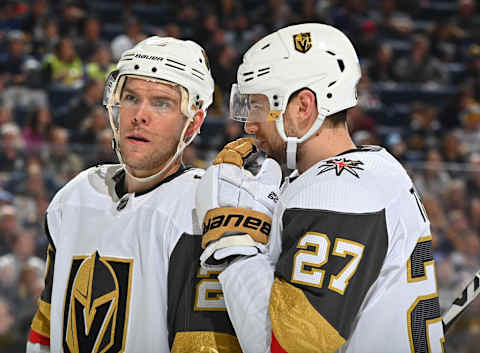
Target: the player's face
(266, 135)
(150, 125)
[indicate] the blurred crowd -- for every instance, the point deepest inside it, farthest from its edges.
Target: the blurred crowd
(419, 96)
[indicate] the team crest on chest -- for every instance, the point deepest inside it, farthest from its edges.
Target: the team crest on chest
(340, 165)
(95, 313)
(302, 42)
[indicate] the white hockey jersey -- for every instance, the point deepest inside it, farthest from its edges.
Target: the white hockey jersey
(124, 273)
(353, 266)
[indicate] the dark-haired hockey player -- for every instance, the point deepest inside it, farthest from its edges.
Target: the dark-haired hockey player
(348, 265)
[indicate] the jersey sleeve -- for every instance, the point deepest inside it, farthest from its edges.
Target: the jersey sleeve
(328, 262)
(39, 338)
(196, 315)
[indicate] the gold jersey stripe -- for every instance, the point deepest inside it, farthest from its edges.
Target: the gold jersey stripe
(205, 341)
(41, 320)
(219, 221)
(297, 326)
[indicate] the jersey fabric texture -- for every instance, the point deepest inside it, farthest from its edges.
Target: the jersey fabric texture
(123, 272)
(353, 265)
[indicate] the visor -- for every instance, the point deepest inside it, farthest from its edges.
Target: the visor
(254, 108)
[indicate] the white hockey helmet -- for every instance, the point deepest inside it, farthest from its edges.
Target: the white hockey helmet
(311, 55)
(181, 63)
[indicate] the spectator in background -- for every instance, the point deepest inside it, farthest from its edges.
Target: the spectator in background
(62, 163)
(359, 120)
(47, 43)
(72, 17)
(224, 71)
(5, 115)
(468, 20)
(474, 214)
(392, 22)
(22, 73)
(36, 19)
(100, 151)
(91, 39)
(64, 68)
(455, 197)
(83, 105)
(91, 127)
(172, 30)
(9, 228)
(438, 223)
(22, 255)
(432, 176)
(381, 67)
(453, 151)
(473, 179)
(133, 34)
(36, 131)
(100, 64)
(12, 151)
(420, 66)
(470, 132)
(445, 40)
(472, 73)
(9, 339)
(368, 39)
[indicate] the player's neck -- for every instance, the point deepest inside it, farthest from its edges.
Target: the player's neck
(135, 186)
(326, 143)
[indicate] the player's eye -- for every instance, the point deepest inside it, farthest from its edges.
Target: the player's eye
(129, 99)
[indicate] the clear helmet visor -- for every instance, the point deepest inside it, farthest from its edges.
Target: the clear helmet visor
(254, 108)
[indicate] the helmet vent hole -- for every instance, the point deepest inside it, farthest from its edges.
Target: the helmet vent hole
(341, 65)
(136, 67)
(154, 69)
(248, 79)
(265, 46)
(330, 52)
(248, 73)
(332, 83)
(329, 95)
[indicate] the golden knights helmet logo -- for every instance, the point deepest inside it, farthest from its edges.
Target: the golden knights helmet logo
(96, 305)
(302, 42)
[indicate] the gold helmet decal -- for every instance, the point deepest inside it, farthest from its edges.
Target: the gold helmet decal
(96, 305)
(302, 42)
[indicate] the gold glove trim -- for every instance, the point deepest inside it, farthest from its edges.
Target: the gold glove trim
(41, 320)
(205, 342)
(219, 221)
(236, 152)
(297, 326)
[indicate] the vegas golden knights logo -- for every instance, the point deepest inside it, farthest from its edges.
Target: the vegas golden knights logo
(303, 42)
(95, 314)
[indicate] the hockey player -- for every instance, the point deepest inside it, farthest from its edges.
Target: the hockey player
(348, 264)
(123, 272)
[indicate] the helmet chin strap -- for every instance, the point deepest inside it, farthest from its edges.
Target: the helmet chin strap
(293, 142)
(180, 147)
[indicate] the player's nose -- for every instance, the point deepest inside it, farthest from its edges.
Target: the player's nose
(250, 128)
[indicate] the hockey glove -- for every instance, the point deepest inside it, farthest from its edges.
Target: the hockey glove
(236, 206)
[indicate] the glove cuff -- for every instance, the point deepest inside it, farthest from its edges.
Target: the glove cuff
(219, 221)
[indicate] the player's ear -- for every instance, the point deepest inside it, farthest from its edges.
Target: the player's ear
(305, 109)
(196, 123)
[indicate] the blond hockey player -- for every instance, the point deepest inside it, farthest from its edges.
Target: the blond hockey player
(123, 271)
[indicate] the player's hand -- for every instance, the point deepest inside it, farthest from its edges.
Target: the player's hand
(235, 206)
